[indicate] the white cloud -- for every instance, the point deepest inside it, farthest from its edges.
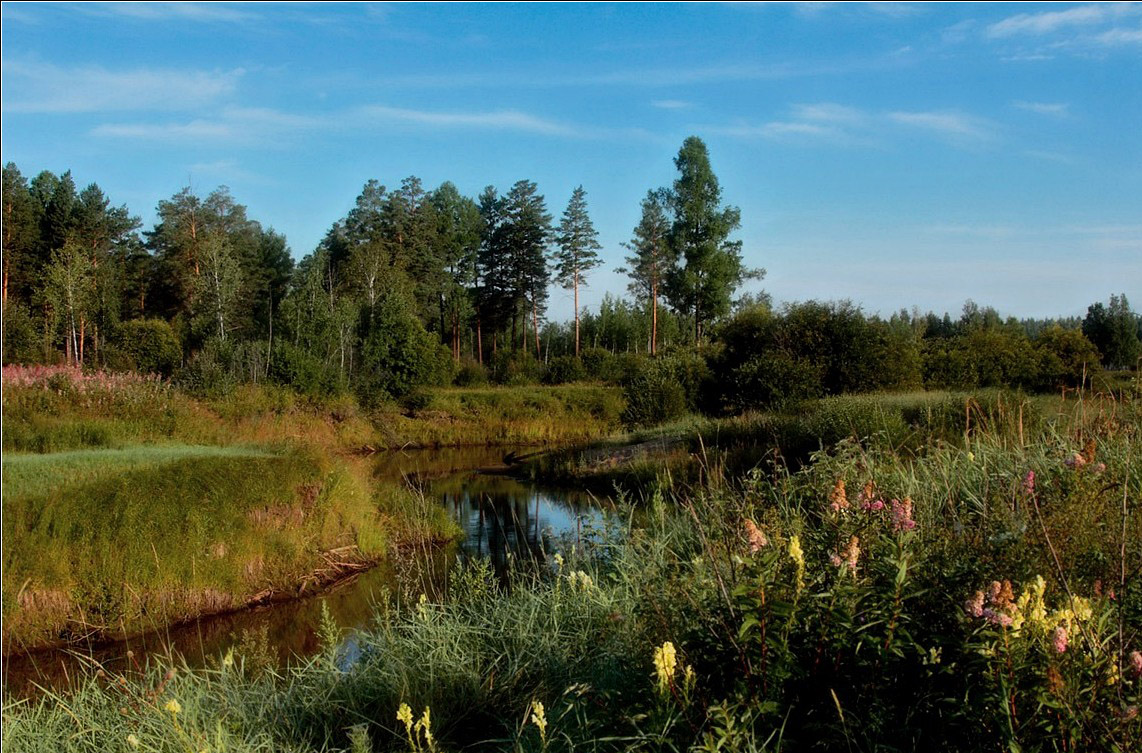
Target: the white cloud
(671, 104)
(185, 11)
(264, 126)
(829, 112)
(46, 88)
(507, 120)
(1047, 22)
(836, 123)
(1057, 109)
(954, 125)
(1118, 36)
(195, 130)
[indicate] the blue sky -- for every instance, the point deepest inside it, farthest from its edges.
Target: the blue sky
(892, 154)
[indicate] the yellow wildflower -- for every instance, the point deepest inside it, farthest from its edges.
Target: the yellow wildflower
(798, 556)
(404, 714)
(665, 663)
(228, 659)
(539, 719)
(173, 706)
(424, 726)
(132, 741)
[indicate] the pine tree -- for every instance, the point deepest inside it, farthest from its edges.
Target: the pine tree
(653, 258)
(578, 249)
(699, 236)
(526, 232)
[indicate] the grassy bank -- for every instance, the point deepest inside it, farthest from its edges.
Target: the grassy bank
(68, 410)
(910, 424)
(525, 415)
(104, 541)
(976, 596)
(129, 505)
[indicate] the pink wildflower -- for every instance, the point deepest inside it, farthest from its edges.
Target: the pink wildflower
(902, 515)
(1098, 467)
(1060, 639)
(1076, 461)
(835, 559)
(838, 500)
(1136, 662)
(974, 605)
(1029, 483)
(756, 537)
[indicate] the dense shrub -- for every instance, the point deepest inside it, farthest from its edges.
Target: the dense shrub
(564, 369)
(514, 368)
(655, 395)
(302, 370)
(600, 364)
(470, 374)
(149, 345)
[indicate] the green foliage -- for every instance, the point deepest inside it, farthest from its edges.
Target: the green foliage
(300, 369)
(149, 346)
(1114, 331)
(564, 369)
(470, 374)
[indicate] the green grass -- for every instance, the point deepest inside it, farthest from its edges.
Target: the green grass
(30, 474)
(156, 534)
(788, 649)
(459, 416)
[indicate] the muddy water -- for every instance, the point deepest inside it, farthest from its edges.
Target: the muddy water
(503, 519)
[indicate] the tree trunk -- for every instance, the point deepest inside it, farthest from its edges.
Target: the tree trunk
(479, 342)
(535, 326)
(653, 316)
(576, 314)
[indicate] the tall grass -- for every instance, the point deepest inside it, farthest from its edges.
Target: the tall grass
(976, 596)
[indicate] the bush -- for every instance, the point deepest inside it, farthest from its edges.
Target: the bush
(655, 396)
(515, 368)
(303, 371)
(564, 369)
(150, 345)
(600, 364)
(470, 374)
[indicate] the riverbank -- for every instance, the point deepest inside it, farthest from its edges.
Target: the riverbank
(975, 596)
(130, 505)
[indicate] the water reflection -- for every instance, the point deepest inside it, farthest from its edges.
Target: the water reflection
(503, 519)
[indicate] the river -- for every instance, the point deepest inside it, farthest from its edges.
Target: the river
(504, 519)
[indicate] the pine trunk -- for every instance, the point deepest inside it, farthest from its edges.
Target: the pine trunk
(576, 315)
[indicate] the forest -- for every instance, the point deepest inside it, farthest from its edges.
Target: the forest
(418, 287)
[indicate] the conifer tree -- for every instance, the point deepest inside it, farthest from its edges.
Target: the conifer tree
(578, 249)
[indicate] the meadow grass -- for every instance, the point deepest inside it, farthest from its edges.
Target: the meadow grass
(168, 534)
(979, 595)
(520, 415)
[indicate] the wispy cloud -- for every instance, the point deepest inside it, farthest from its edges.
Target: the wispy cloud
(186, 11)
(1047, 22)
(843, 124)
(1119, 36)
(671, 104)
(501, 120)
(948, 124)
(195, 130)
(1056, 109)
(46, 88)
(269, 127)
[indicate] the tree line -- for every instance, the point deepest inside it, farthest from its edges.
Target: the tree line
(413, 286)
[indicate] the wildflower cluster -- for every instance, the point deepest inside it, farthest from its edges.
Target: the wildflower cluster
(580, 581)
(666, 666)
(419, 733)
(754, 536)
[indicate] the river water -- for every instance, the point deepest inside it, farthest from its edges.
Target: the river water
(503, 519)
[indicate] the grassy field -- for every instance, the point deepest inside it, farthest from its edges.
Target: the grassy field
(981, 594)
